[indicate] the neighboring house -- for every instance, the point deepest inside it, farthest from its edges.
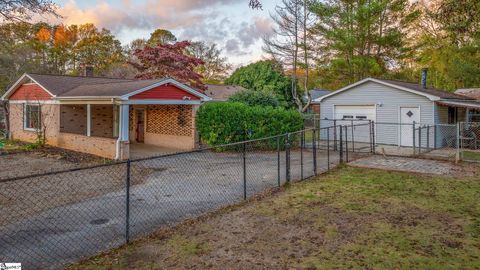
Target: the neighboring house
(103, 116)
(395, 106)
(474, 93)
(220, 92)
(314, 107)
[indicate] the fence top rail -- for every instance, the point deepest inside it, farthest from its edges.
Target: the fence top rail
(42, 174)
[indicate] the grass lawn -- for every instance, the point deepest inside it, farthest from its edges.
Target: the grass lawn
(349, 218)
(471, 156)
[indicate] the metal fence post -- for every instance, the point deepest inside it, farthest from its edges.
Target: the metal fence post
(346, 143)
(353, 138)
(302, 140)
(428, 137)
(341, 145)
(373, 137)
(287, 158)
(457, 155)
(335, 135)
(278, 161)
(314, 145)
(127, 203)
(244, 171)
(420, 140)
(370, 127)
(328, 148)
(413, 144)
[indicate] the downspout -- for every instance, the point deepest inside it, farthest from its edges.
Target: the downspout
(119, 139)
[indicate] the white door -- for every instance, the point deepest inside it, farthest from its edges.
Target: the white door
(346, 113)
(408, 115)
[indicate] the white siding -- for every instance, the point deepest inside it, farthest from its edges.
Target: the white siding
(388, 101)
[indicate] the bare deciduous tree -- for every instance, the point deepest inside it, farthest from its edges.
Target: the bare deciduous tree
(290, 41)
(22, 10)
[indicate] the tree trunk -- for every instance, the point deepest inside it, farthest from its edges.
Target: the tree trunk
(305, 55)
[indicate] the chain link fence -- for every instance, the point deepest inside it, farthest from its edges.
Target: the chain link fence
(469, 141)
(53, 219)
(452, 142)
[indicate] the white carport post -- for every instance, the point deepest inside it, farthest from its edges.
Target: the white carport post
(123, 130)
(89, 120)
(124, 122)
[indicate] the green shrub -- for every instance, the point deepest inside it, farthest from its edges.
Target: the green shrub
(255, 98)
(229, 122)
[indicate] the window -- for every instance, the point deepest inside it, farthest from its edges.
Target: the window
(31, 119)
(452, 115)
(474, 115)
(348, 117)
(361, 117)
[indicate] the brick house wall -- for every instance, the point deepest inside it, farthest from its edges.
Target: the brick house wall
(102, 121)
(171, 126)
(73, 119)
(104, 147)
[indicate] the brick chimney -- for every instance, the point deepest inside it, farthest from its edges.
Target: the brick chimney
(88, 71)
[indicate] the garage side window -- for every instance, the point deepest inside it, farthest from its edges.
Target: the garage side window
(32, 118)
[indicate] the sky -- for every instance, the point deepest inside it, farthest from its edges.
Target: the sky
(237, 29)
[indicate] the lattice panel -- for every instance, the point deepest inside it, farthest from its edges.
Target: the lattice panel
(170, 119)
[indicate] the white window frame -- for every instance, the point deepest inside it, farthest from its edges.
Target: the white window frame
(25, 117)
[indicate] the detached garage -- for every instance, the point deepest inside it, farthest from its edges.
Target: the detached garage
(394, 106)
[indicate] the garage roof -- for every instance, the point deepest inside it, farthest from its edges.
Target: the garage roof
(431, 93)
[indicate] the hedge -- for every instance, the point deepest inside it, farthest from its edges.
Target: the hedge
(229, 122)
(255, 98)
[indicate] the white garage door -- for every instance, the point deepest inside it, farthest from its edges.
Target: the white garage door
(347, 113)
(355, 112)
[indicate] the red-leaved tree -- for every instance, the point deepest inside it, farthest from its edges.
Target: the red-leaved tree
(168, 60)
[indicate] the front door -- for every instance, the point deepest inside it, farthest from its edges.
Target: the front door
(408, 116)
(140, 131)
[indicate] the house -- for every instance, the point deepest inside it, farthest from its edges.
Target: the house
(103, 116)
(397, 107)
(474, 93)
(314, 107)
(221, 92)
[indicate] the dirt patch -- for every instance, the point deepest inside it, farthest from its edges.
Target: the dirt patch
(48, 159)
(25, 198)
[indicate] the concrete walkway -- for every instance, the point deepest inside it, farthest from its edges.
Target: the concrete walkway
(415, 165)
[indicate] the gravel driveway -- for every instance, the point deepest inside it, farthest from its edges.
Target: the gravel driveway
(167, 190)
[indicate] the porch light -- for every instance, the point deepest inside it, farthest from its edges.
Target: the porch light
(186, 98)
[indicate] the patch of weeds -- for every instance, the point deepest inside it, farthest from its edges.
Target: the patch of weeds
(184, 247)
(331, 232)
(31, 146)
(474, 227)
(265, 211)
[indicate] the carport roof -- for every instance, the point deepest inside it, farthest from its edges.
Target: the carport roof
(460, 104)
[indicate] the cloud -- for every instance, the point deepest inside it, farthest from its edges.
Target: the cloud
(232, 46)
(229, 23)
(141, 14)
(250, 33)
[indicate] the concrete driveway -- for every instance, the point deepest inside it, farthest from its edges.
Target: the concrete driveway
(177, 188)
